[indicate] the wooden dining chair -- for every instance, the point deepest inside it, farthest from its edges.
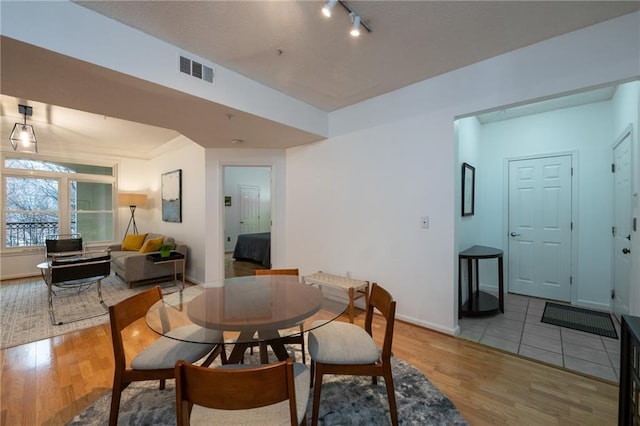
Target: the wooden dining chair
(157, 360)
(346, 349)
(242, 394)
(296, 339)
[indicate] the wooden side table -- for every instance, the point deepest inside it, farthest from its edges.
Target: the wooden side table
(479, 302)
(174, 258)
(354, 288)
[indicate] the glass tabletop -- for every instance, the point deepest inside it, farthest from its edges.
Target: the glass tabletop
(246, 309)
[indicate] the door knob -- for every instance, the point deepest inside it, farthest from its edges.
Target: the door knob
(513, 234)
(626, 250)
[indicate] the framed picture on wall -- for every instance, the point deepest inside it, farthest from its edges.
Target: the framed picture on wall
(468, 189)
(172, 196)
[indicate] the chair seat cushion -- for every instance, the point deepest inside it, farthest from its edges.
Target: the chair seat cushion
(276, 414)
(166, 351)
(341, 343)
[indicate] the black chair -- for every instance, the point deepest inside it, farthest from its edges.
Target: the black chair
(70, 266)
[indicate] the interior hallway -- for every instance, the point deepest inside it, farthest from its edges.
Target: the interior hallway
(520, 331)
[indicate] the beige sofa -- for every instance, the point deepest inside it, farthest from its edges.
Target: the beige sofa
(133, 266)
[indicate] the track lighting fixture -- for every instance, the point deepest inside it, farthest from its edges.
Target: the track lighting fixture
(355, 24)
(356, 20)
(326, 10)
(23, 137)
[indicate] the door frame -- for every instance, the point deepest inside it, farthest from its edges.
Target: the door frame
(574, 213)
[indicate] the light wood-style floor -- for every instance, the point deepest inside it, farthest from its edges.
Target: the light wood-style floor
(49, 381)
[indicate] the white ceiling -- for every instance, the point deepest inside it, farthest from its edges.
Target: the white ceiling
(291, 47)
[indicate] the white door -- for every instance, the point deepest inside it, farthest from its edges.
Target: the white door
(621, 230)
(540, 227)
(249, 209)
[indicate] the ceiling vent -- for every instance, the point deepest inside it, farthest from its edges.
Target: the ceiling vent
(195, 69)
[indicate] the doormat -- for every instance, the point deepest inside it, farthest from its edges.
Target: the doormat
(582, 319)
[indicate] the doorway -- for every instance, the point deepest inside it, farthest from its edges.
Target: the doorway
(247, 206)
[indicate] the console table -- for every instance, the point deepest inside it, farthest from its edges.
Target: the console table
(479, 302)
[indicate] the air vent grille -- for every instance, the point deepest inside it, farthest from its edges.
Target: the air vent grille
(185, 65)
(196, 69)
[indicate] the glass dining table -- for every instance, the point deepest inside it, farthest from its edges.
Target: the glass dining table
(253, 310)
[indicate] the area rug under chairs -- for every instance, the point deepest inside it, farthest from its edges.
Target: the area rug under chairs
(582, 319)
(24, 314)
(345, 401)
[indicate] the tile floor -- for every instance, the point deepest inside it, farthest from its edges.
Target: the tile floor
(519, 330)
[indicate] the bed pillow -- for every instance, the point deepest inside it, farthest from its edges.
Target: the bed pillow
(133, 242)
(152, 245)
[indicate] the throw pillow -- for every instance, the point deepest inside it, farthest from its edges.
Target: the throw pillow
(133, 242)
(152, 245)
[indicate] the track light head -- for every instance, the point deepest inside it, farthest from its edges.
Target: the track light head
(355, 24)
(326, 10)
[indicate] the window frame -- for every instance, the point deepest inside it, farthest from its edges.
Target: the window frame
(64, 182)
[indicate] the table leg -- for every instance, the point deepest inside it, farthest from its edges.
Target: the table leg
(500, 285)
(184, 272)
(273, 339)
(470, 283)
(459, 290)
(237, 353)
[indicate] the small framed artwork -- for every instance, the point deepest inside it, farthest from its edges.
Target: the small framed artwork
(468, 189)
(227, 201)
(172, 196)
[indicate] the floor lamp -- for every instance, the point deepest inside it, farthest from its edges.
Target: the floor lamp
(132, 200)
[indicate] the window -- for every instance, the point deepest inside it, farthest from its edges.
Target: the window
(49, 197)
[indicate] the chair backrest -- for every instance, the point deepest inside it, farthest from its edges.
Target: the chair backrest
(63, 244)
(126, 312)
(382, 300)
(84, 268)
(288, 271)
(234, 388)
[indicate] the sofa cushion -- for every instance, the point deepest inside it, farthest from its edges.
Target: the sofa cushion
(133, 242)
(151, 245)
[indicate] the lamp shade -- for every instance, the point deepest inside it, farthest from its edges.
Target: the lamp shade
(132, 199)
(23, 138)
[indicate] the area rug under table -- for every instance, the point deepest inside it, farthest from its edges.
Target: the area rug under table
(577, 318)
(345, 401)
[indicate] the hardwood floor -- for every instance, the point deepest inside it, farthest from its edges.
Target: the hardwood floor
(238, 268)
(49, 381)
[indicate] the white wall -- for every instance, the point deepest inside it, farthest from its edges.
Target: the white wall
(355, 203)
(189, 157)
(468, 134)
(252, 176)
(355, 200)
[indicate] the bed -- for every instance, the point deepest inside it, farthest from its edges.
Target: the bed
(254, 247)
